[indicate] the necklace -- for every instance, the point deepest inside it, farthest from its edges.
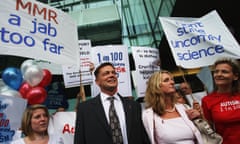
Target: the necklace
(170, 110)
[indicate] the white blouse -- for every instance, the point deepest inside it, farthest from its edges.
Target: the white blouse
(178, 130)
(173, 130)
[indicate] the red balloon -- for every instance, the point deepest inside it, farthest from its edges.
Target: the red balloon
(24, 89)
(36, 95)
(47, 78)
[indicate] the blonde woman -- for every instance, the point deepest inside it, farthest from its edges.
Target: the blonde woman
(167, 121)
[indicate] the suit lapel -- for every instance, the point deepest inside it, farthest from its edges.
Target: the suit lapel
(100, 113)
(128, 114)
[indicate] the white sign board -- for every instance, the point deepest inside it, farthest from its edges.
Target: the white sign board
(118, 55)
(72, 75)
(11, 111)
(199, 42)
(147, 61)
(63, 124)
(31, 29)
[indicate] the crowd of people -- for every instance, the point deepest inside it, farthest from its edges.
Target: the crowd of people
(167, 118)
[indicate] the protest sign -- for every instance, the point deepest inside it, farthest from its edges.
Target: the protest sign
(35, 30)
(147, 61)
(118, 55)
(56, 97)
(199, 42)
(11, 110)
(63, 124)
(71, 74)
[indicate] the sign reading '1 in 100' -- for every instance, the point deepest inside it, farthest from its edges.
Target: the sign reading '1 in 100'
(113, 56)
(118, 56)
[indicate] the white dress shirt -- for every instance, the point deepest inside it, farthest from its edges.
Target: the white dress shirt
(119, 110)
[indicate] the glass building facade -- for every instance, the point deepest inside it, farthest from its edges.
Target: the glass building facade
(128, 22)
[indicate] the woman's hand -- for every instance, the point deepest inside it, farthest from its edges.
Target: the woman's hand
(196, 105)
(193, 114)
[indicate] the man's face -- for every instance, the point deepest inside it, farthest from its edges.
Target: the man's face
(185, 88)
(107, 79)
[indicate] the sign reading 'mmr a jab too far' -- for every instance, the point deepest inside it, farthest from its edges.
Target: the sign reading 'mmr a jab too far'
(31, 29)
(198, 42)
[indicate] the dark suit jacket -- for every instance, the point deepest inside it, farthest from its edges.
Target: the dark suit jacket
(92, 126)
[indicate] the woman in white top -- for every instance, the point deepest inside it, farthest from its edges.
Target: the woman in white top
(165, 120)
(35, 127)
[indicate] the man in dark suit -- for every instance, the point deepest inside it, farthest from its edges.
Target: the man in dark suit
(92, 123)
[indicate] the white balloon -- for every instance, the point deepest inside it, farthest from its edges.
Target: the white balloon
(27, 63)
(33, 75)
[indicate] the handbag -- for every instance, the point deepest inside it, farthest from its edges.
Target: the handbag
(209, 136)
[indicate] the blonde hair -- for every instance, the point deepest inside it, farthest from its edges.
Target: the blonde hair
(154, 97)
